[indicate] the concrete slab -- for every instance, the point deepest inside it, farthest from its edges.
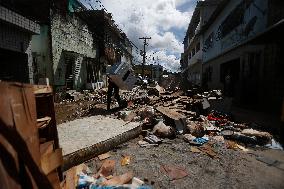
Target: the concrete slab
(82, 139)
(82, 133)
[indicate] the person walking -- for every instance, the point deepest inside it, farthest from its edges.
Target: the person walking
(113, 89)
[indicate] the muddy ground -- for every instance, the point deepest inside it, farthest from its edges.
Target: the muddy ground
(229, 169)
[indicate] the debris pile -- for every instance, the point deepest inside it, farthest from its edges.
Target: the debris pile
(166, 114)
(100, 173)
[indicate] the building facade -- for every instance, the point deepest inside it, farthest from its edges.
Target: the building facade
(113, 45)
(193, 42)
(16, 31)
(73, 50)
(237, 58)
(61, 43)
(151, 71)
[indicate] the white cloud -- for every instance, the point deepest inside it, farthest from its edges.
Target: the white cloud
(156, 19)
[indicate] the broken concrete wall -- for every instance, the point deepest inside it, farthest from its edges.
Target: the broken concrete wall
(70, 34)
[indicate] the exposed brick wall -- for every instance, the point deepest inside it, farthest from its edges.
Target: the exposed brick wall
(69, 33)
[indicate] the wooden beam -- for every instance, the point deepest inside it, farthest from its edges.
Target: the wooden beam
(170, 113)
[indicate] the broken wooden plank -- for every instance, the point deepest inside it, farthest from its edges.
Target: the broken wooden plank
(42, 89)
(49, 162)
(54, 179)
(46, 148)
(71, 176)
(170, 113)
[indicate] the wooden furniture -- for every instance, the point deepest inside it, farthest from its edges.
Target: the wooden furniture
(29, 150)
(51, 154)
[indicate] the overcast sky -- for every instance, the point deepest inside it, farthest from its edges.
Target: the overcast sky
(166, 21)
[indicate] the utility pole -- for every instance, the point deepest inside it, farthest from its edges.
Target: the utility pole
(144, 53)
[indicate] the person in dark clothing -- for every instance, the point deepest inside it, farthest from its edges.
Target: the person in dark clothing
(113, 89)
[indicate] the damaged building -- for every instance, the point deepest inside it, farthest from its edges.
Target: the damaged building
(69, 49)
(73, 49)
(113, 45)
(193, 42)
(62, 44)
(16, 31)
(242, 52)
(235, 46)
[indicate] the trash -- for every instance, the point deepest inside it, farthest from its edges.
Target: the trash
(142, 143)
(200, 141)
(125, 160)
(188, 137)
(242, 148)
(153, 91)
(136, 182)
(195, 150)
(232, 145)
(180, 125)
(130, 116)
(147, 113)
(274, 145)
(84, 181)
(196, 129)
(161, 130)
(152, 139)
(174, 172)
(205, 104)
(194, 140)
(243, 138)
(104, 156)
(262, 137)
(227, 133)
(119, 180)
(107, 168)
(218, 116)
(206, 148)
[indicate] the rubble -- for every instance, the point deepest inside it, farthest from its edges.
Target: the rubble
(125, 160)
(167, 114)
(162, 130)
